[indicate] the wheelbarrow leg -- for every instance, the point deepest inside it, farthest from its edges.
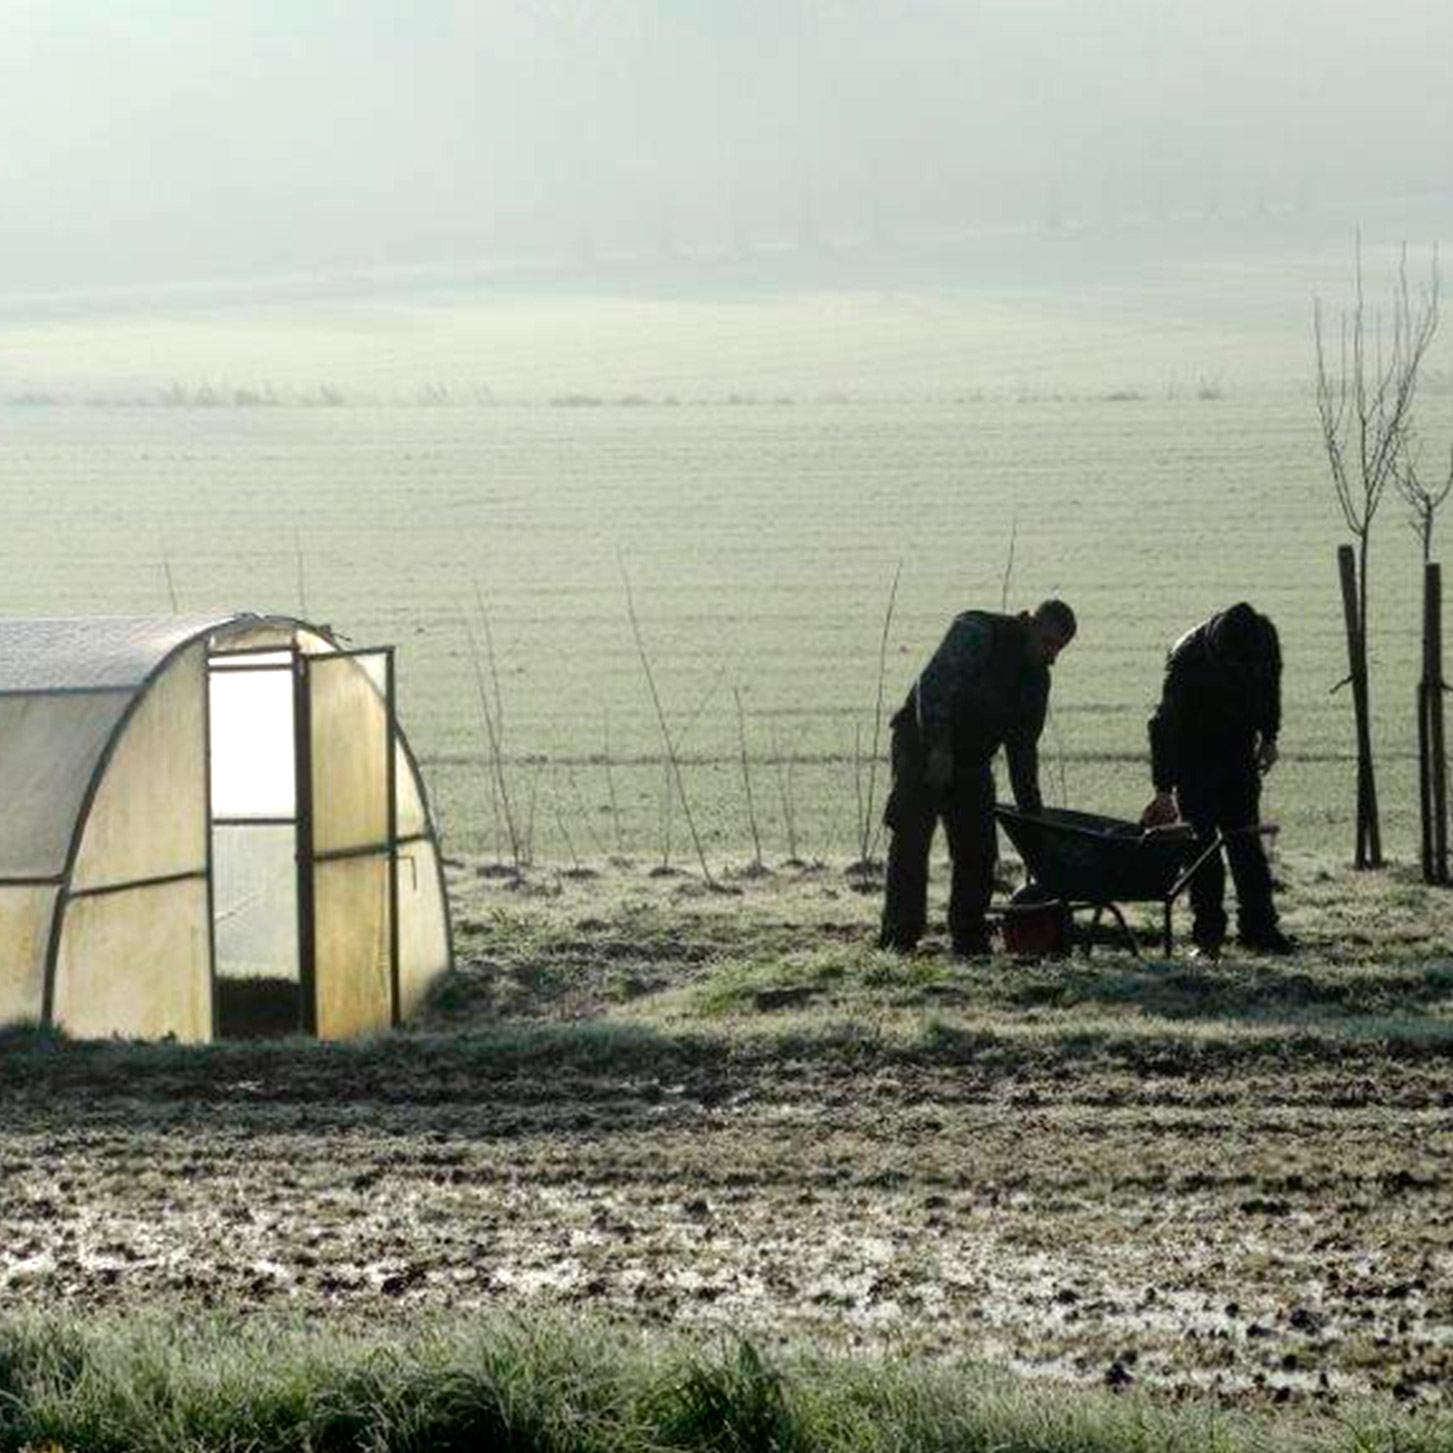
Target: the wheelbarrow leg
(1124, 929)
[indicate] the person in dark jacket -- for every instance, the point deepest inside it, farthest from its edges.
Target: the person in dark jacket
(1212, 737)
(986, 686)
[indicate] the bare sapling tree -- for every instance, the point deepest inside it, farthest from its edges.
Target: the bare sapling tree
(1425, 495)
(1007, 578)
(1365, 400)
(527, 845)
(495, 759)
(782, 771)
(756, 868)
(617, 833)
(166, 567)
(672, 757)
(665, 821)
(521, 845)
(582, 812)
(866, 795)
(302, 574)
(576, 869)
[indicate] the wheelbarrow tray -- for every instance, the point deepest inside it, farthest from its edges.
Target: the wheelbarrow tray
(1095, 863)
(1082, 857)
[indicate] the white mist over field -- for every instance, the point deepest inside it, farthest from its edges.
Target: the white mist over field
(167, 141)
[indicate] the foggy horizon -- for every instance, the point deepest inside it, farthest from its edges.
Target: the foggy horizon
(170, 145)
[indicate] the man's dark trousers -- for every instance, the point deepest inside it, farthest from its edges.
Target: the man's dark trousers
(1227, 796)
(914, 809)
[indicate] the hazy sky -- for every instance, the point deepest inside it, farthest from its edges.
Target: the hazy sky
(162, 140)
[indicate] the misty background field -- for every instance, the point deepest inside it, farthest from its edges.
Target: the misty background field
(757, 444)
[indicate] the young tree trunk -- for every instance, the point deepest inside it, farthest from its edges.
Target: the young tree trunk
(1369, 834)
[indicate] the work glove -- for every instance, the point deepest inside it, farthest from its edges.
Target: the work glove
(1160, 812)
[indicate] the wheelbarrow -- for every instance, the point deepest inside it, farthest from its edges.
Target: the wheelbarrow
(1093, 864)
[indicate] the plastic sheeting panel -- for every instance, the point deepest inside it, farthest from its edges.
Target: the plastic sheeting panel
(149, 817)
(136, 963)
(423, 925)
(352, 986)
(350, 747)
(255, 898)
(90, 654)
(25, 915)
(50, 747)
(413, 821)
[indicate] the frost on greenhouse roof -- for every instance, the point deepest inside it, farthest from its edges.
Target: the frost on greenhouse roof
(91, 654)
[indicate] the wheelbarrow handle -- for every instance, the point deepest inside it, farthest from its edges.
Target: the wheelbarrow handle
(1255, 829)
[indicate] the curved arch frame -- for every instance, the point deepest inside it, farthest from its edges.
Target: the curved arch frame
(118, 732)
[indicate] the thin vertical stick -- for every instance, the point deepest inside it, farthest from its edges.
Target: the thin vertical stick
(527, 854)
(1008, 564)
(582, 812)
(782, 770)
(171, 585)
(665, 815)
(610, 787)
(492, 659)
(495, 760)
(565, 831)
(671, 756)
(302, 574)
(867, 834)
(861, 821)
(747, 781)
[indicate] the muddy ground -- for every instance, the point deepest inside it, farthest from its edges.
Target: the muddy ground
(676, 1109)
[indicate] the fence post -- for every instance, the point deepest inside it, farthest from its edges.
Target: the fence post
(1425, 744)
(1436, 742)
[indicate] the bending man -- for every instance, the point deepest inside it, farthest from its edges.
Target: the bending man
(986, 686)
(1211, 738)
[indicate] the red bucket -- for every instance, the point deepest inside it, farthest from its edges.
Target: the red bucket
(1036, 926)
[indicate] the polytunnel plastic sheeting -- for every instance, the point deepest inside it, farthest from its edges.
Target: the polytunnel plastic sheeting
(96, 654)
(136, 963)
(25, 919)
(350, 756)
(423, 924)
(50, 748)
(149, 815)
(255, 893)
(353, 991)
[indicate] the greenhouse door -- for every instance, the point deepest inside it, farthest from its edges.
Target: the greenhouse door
(347, 842)
(251, 703)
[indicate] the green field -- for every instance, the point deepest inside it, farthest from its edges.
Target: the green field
(761, 543)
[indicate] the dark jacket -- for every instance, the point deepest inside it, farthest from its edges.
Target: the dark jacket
(1222, 692)
(982, 689)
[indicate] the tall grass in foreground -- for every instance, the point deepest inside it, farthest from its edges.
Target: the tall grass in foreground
(157, 1386)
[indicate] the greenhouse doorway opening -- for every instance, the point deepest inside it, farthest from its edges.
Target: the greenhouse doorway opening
(252, 712)
(304, 841)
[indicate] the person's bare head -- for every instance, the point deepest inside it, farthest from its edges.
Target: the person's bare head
(1051, 628)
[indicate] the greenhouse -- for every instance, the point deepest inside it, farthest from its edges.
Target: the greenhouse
(212, 826)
